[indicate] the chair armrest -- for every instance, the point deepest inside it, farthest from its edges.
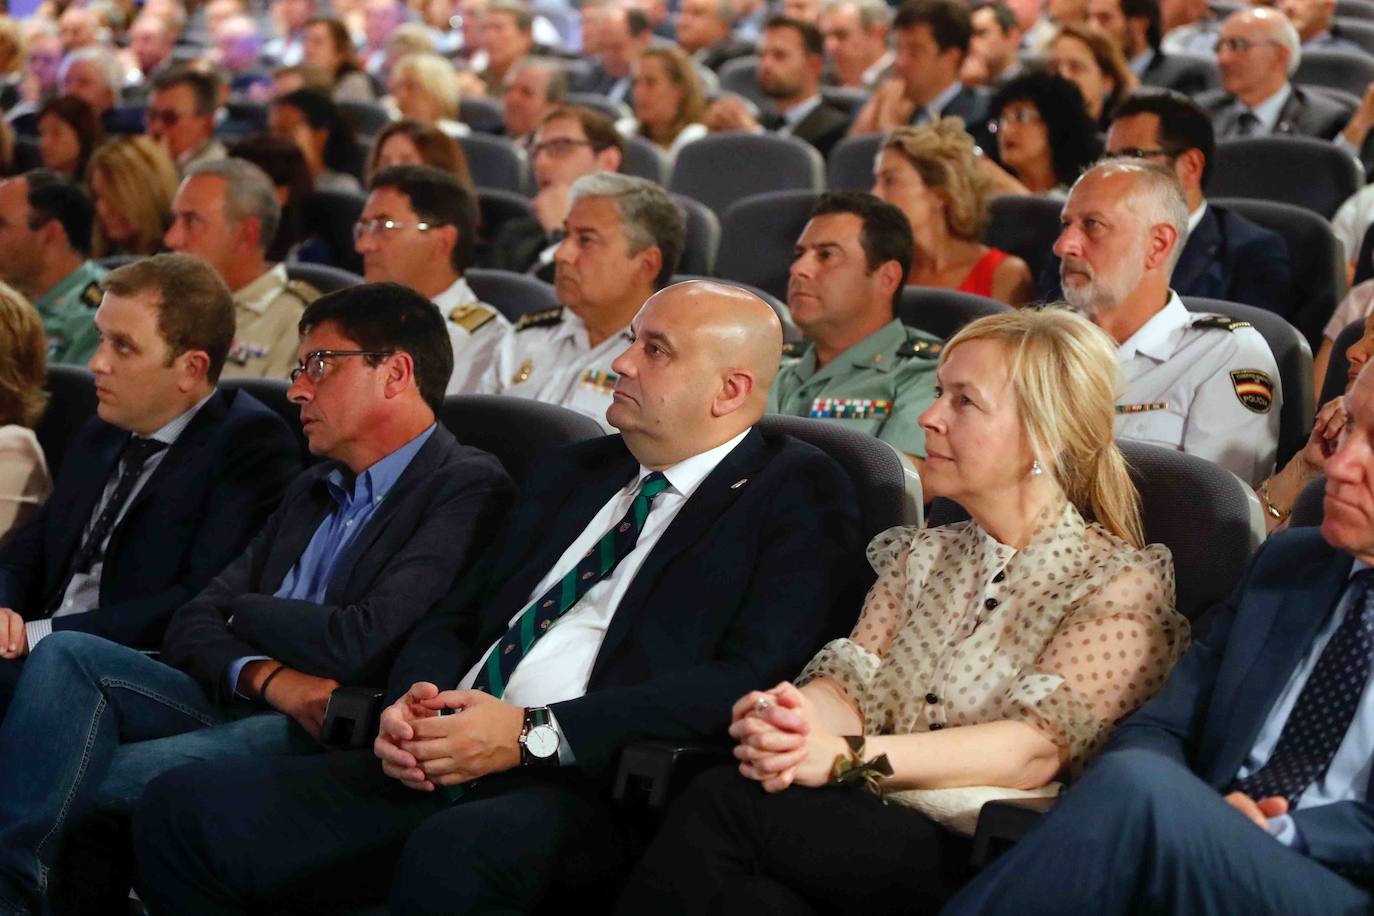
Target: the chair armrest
(1001, 823)
(350, 719)
(652, 772)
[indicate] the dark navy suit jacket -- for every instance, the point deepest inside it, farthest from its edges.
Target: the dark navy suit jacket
(1210, 712)
(205, 499)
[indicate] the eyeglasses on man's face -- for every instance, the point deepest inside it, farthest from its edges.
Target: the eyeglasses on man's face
(314, 364)
(369, 227)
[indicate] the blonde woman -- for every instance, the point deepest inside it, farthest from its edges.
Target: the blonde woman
(132, 182)
(931, 174)
(24, 480)
(996, 652)
(425, 88)
(668, 99)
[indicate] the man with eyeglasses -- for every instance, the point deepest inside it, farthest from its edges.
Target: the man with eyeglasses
(570, 141)
(361, 546)
(1258, 51)
(418, 229)
(181, 116)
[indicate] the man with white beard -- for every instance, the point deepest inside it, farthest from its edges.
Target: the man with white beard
(1202, 384)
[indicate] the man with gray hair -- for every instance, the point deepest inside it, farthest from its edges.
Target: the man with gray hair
(1202, 384)
(855, 34)
(1258, 51)
(226, 213)
(95, 77)
(623, 237)
(532, 87)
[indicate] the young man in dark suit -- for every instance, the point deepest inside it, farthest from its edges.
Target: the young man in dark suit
(671, 567)
(160, 491)
(360, 548)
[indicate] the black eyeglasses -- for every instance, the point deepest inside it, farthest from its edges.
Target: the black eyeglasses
(1136, 152)
(558, 147)
(314, 363)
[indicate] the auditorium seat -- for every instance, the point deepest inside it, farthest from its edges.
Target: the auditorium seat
(758, 235)
(482, 115)
(1025, 226)
(613, 109)
(518, 431)
(324, 278)
(273, 393)
(1355, 9)
(329, 217)
(495, 206)
(71, 403)
(1338, 368)
(719, 169)
(1351, 71)
(366, 118)
(512, 293)
(643, 159)
(1303, 171)
(851, 163)
(943, 312)
(1360, 31)
(703, 237)
(494, 163)
(740, 75)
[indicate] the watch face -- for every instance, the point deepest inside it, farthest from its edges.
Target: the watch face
(542, 741)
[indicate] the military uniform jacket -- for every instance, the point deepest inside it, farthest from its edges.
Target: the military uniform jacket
(267, 313)
(68, 312)
(475, 329)
(879, 386)
(547, 356)
(1205, 385)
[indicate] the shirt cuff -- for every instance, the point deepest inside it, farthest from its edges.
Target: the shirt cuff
(566, 758)
(1346, 147)
(236, 668)
(1284, 829)
(37, 629)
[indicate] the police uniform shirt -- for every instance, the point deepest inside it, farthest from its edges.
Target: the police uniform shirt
(1205, 385)
(548, 356)
(68, 313)
(475, 330)
(267, 313)
(879, 386)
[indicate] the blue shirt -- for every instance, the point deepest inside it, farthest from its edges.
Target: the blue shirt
(1347, 778)
(353, 507)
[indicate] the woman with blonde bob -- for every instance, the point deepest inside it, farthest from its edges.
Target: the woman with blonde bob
(132, 182)
(931, 174)
(24, 481)
(425, 88)
(995, 653)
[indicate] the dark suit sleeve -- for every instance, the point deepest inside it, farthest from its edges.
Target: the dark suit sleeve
(805, 587)
(352, 643)
(21, 562)
(259, 457)
(1340, 836)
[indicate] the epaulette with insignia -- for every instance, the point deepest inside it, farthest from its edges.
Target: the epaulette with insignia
(472, 316)
(926, 349)
(541, 319)
(302, 291)
(91, 295)
(1219, 322)
(795, 349)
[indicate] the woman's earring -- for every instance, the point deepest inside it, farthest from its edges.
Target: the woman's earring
(1036, 469)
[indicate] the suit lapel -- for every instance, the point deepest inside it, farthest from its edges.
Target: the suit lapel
(1290, 118)
(87, 487)
(183, 451)
(1200, 256)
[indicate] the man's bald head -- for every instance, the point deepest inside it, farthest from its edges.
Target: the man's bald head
(697, 373)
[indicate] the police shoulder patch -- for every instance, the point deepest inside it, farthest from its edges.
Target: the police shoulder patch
(1219, 322)
(541, 319)
(1254, 389)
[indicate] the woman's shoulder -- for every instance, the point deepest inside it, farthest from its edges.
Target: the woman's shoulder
(1114, 555)
(922, 544)
(16, 438)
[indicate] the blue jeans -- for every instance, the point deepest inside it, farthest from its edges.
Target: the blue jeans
(91, 723)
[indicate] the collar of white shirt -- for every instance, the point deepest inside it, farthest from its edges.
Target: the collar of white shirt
(685, 476)
(1194, 220)
(1158, 337)
(459, 293)
(1269, 110)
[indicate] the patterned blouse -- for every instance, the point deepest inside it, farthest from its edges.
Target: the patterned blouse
(1069, 633)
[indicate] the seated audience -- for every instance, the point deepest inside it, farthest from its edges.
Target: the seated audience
(1190, 27)
(855, 35)
(158, 492)
(1085, 56)
(79, 27)
(226, 213)
(238, 49)
(1134, 26)
(424, 88)
(419, 229)
(152, 38)
(326, 44)
(993, 46)
(789, 76)
(654, 649)
(289, 17)
(13, 57)
(24, 479)
(313, 123)
(407, 142)
(859, 366)
(1202, 384)
(1028, 111)
(571, 141)
(132, 182)
(507, 37)
(1258, 51)
(622, 240)
(704, 31)
(45, 255)
(181, 116)
(622, 33)
(931, 40)
(1245, 783)
(967, 665)
(669, 102)
(1057, 14)
(93, 75)
(283, 163)
(1314, 20)
(360, 548)
(68, 132)
(532, 88)
(931, 174)
(381, 18)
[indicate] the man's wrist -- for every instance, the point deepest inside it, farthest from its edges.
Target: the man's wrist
(254, 676)
(539, 740)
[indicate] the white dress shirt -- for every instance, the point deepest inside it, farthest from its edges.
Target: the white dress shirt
(473, 350)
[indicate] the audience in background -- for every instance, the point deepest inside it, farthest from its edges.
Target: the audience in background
(283, 163)
(1086, 57)
(1314, 21)
(68, 132)
(1189, 26)
(704, 32)
(94, 76)
(424, 88)
(622, 34)
(669, 102)
(407, 142)
(181, 116)
(312, 121)
(993, 47)
(132, 182)
(24, 478)
(1134, 26)
(326, 44)
(290, 17)
(13, 54)
(855, 36)
(1028, 112)
(531, 88)
(152, 38)
(507, 37)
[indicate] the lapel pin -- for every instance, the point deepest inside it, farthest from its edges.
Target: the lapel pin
(739, 483)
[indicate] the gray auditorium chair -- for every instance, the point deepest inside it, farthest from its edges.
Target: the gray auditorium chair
(511, 293)
(494, 163)
(719, 169)
(740, 75)
(758, 235)
(1303, 171)
(1360, 31)
(1026, 227)
(703, 237)
(643, 159)
(1348, 70)
(851, 100)
(324, 278)
(482, 115)
(1294, 359)
(851, 163)
(366, 118)
(942, 312)
(329, 217)
(495, 206)
(518, 431)
(613, 109)
(1338, 367)
(1355, 9)
(272, 392)
(71, 403)
(1316, 257)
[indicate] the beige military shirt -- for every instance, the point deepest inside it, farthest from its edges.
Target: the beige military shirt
(475, 329)
(266, 313)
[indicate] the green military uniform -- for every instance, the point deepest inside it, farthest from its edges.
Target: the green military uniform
(878, 386)
(68, 311)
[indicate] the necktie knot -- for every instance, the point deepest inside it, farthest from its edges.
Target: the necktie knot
(653, 485)
(139, 450)
(1247, 122)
